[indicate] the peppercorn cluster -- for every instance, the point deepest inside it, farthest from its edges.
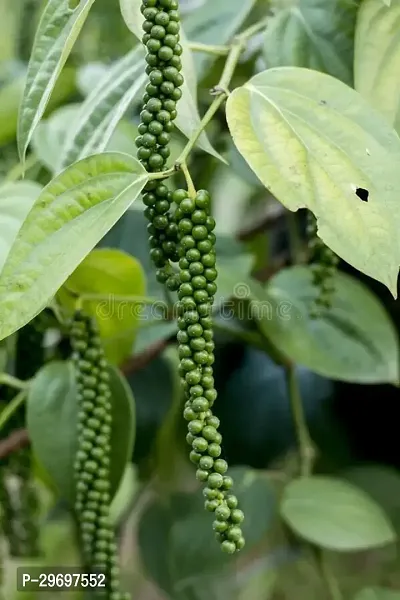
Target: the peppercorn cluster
(92, 464)
(324, 265)
(197, 275)
(161, 39)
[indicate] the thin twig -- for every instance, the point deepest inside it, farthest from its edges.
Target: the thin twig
(307, 452)
(220, 91)
(140, 361)
(209, 49)
(15, 441)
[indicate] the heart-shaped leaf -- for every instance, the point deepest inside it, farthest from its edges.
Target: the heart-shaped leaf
(102, 110)
(382, 484)
(377, 57)
(188, 118)
(115, 276)
(52, 418)
(73, 212)
(16, 200)
(353, 341)
(313, 142)
(335, 515)
(57, 32)
(315, 34)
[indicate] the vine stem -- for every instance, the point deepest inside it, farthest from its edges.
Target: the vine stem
(209, 49)
(14, 382)
(12, 407)
(189, 181)
(307, 450)
(308, 454)
(220, 91)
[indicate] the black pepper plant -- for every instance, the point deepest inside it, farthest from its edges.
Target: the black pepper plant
(185, 235)
(305, 119)
(92, 461)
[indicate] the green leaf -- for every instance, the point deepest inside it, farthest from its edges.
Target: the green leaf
(52, 417)
(353, 341)
(123, 424)
(313, 141)
(123, 140)
(315, 34)
(73, 212)
(188, 119)
(58, 30)
(377, 594)
(382, 484)
(335, 515)
(377, 57)
(128, 489)
(16, 200)
(215, 22)
(49, 136)
(51, 413)
(102, 110)
(88, 75)
(112, 274)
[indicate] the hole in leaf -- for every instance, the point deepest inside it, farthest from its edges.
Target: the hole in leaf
(362, 194)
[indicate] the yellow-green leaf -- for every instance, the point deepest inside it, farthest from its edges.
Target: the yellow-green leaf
(377, 57)
(188, 118)
(313, 141)
(71, 215)
(57, 32)
(115, 276)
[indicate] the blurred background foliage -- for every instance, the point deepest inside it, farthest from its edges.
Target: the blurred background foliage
(166, 541)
